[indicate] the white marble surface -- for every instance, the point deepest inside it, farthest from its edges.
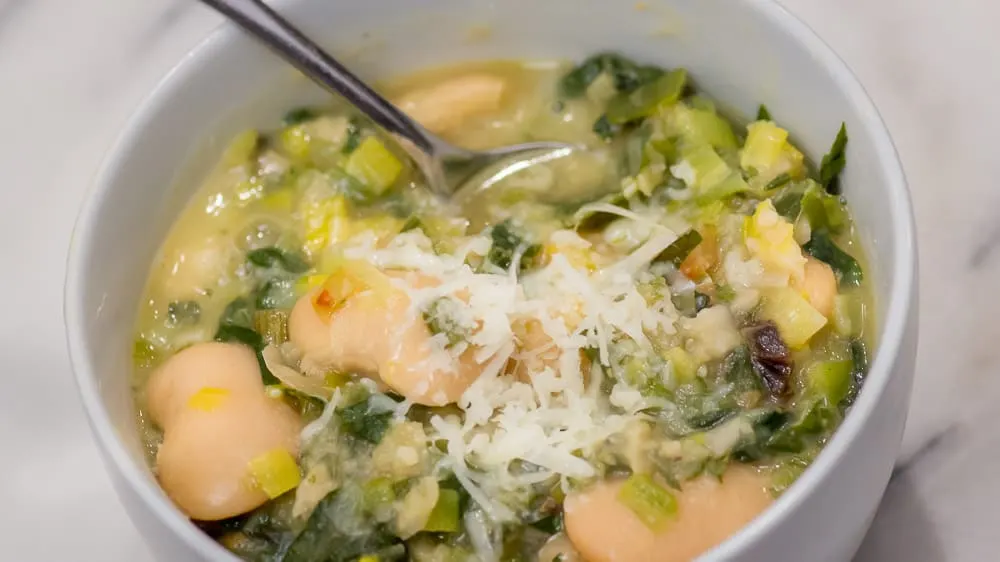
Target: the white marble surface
(71, 71)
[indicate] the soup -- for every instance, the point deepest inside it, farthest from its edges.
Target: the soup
(623, 354)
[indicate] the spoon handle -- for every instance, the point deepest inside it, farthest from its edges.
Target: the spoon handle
(262, 22)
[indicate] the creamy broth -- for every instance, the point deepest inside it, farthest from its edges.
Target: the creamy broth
(620, 355)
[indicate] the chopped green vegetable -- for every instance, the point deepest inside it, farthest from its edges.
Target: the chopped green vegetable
(763, 114)
(271, 257)
(699, 126)
(299, 115)
(779, 181)
(627, 107)
(239, 334)
(378, 492)
(445, 517)
(822, 210)
(814, 419)
(365, 421)
(354, 135)
(508, 242)
(412, 223)
(834, 162)
(789, 204)
(276, 292)
(679, 249)
(239, 312)
(605, 129)
(337, 531)
(272, 325)
(652, 503)
(374, 166)
(236, 326)
(627, 74)
(847, 269)
(830, 380)
(183, 313)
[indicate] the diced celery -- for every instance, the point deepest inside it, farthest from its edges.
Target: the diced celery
(796, 319)
(378, 492)
(709, 168)
(830, 379)
(275, 472)
(682, 363)
(822, 210)
(374, 165)
(763, 146)
(272, 325)
(294, 142)
(326, 222)
(444, 518)
(207, 398)
(700, 126)
(282, 200)
(733, 184)
(241, 150)
(652, 503)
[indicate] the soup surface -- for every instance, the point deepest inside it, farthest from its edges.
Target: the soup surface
(620, 355)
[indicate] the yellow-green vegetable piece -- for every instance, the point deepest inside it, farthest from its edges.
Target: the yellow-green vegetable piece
(652, 503)
(275, 472)
(374, 165)
(796, 319)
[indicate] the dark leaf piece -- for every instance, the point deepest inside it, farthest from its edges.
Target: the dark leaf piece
(678, 251)
(769, 357)
(271, 257)
(508, 241)
(834, 162)
(365, 422)
(763, 114)
(299, 115)
(847, 269)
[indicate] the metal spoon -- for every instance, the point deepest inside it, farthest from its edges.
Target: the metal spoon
(445, 165)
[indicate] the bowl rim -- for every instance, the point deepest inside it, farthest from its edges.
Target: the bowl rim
(897, 315)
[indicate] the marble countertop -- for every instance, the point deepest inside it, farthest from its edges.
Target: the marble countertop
(72, 71)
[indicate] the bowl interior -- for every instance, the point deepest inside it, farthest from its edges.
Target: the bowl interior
(741, 53)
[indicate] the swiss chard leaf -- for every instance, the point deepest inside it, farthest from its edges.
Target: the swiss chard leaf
(834, 162)
(365, 422)
(299, 115)
(605, 129)
(275, 293)
(272, 257)
(338, 531)
(627, 75)
(354, 134)
(508, 242)
(236, 326)
(846, 268)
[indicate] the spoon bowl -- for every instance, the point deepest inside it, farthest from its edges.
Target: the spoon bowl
(446, 167)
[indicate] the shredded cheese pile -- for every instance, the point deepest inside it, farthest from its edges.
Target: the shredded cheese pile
(550, 418)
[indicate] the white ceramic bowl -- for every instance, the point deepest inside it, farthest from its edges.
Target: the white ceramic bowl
(743, 52)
